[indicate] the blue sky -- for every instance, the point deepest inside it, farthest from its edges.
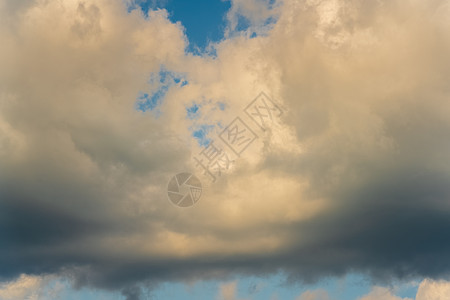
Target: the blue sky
(204, 20)
(348, 287)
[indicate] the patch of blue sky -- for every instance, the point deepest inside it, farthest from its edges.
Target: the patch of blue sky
(350, 287)
(201, 133)
(160, 83)
(180, 81)
(275, 286)
(274, 3)
(222, 105)
(90, 294)
(204, 20)
(243, 23)
(145, 5)
(168, 78)
(64, 289)
(147, 102)
(192, 112)
(264, 29)
(205, 289)
(407, 290)
(270, 21)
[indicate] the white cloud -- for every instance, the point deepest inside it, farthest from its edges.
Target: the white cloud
(30, 288)
(255, 12)
(433, 290)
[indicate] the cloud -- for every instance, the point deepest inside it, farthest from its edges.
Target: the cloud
(227, 291)
(251, 16)
(30, 287)
(352, 178)
(427, 290)
(381, 293)
(314, 295)
(25, 287)
(433, 290)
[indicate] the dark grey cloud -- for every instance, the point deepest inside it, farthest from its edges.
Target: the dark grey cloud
(132, 293)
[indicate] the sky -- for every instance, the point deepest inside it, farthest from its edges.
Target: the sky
(204, 21)
(225, 150)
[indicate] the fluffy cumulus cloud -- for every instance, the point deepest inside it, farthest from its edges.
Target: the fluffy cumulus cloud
(433, 290)
(353, 177)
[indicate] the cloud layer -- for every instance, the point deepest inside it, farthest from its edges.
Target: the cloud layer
(353, 178)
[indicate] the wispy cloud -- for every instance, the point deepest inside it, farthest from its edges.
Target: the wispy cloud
(314, 295)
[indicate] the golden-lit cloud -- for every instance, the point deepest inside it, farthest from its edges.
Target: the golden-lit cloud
(353, 176)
